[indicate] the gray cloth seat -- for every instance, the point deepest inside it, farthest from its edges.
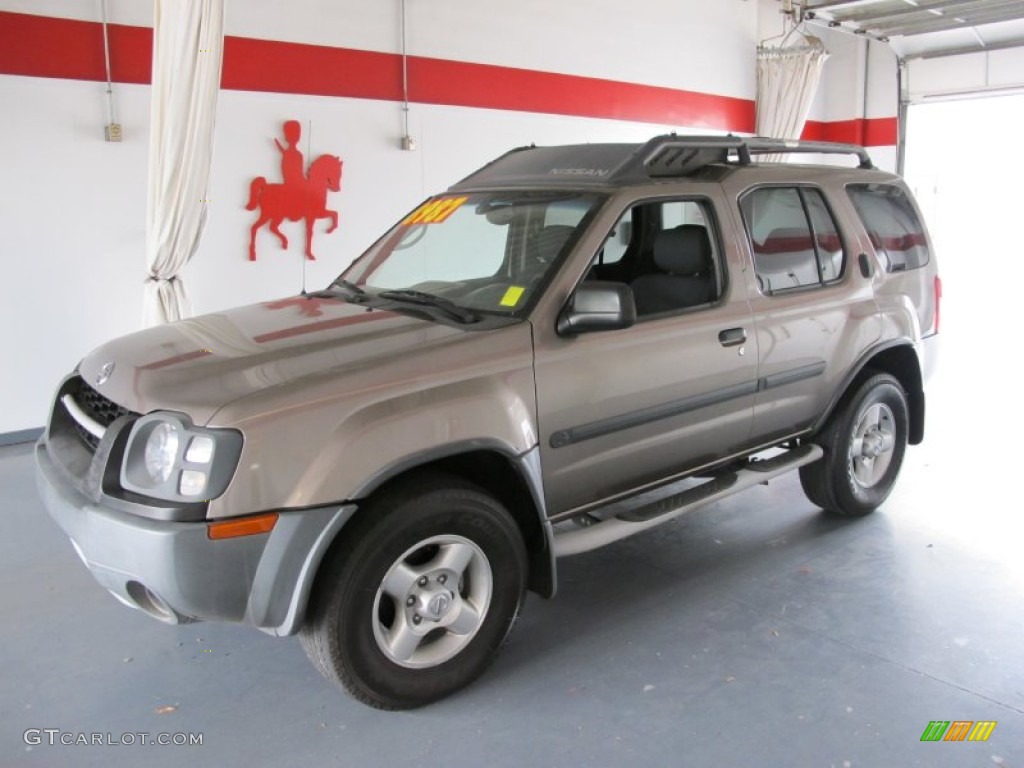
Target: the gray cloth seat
(686, 278)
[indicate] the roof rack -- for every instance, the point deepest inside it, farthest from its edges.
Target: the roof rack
(674, 155)
(668, 156)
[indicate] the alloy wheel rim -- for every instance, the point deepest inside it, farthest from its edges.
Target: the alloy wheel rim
(432, 601)
(872, 445)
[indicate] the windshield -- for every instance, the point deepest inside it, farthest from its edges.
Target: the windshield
(488, 252)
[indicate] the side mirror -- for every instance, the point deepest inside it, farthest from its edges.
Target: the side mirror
(597, 306)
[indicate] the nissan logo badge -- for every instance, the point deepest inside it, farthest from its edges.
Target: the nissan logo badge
(104, 374)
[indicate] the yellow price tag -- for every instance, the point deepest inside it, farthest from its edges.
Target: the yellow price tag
(512, 296)
(435, 211)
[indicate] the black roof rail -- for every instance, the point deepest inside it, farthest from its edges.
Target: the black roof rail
(758, 145)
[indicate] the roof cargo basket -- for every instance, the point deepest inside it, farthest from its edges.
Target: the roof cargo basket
(668, 156)
(681, 155)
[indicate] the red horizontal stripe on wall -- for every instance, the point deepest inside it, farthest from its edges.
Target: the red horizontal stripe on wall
(28, 44)
(881, 132)
(277, 67)
(459, 83)
(41, 46)
(813, 131)
(868, 132)
(265, 65)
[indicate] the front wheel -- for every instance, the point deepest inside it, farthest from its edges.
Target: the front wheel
(419, 597)
(864, 444)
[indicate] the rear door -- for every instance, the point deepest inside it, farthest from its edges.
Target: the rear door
(812, 311)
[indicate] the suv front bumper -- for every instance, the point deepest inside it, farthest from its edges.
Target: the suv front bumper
(176, 573)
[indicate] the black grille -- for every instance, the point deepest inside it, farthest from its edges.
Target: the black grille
(97, 407)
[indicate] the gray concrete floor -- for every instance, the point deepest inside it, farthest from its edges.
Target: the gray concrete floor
(752, 632)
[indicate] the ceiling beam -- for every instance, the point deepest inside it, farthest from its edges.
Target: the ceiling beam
(939, 53)
(941, 23)
(922, 10)
(826, 4)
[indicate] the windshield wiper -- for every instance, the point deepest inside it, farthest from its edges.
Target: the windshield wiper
(350, 291)
(447, 306)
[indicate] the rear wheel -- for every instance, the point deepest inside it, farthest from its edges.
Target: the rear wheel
(864, 444)
(418, 599)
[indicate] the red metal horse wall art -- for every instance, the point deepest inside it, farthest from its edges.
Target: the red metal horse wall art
(300, 196)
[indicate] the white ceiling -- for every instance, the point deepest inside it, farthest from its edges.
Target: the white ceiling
(924, 28)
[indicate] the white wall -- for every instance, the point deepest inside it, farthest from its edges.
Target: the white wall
(72, 223)
(689, 44)
(860, 78)
(72, 207)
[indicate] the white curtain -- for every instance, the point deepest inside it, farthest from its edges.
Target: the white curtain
(787, 79)
(188, 38)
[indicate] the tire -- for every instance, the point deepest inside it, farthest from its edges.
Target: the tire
(864, 442)
(418, 598)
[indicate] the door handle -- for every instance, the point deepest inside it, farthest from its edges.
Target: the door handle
(865, 265)
(730, 337)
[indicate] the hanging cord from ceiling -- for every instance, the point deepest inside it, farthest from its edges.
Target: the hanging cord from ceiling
(112, 130)
(408, 142)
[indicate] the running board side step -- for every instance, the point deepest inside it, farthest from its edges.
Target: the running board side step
(573, 542)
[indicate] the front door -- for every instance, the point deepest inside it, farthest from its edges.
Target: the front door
(622, 409)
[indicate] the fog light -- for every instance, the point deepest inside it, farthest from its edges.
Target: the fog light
(193, 482)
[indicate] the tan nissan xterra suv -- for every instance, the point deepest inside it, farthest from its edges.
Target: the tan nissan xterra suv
(386, 465)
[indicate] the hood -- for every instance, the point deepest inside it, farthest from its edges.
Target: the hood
(196, 366)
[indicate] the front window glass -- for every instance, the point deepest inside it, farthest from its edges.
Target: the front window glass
(487, 252)
(667, 252)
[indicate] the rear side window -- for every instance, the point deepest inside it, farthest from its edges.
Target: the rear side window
(793, 237)
(892, 224)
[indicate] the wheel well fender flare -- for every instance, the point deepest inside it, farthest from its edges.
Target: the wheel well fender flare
(897, 357)
(500, 470)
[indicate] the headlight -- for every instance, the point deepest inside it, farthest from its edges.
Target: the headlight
(160, 452)
(169, 458)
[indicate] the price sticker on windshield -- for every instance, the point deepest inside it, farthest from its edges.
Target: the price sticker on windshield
(512, 296)
(434, 211)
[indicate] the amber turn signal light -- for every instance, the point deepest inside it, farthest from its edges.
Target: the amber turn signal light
(230, 529)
